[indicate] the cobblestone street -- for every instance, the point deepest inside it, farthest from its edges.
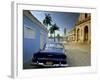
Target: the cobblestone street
(78, 55)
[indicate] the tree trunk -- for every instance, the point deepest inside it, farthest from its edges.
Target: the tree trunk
(50, 35)
(54, 36)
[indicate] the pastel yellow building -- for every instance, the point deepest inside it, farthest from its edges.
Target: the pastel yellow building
(81, 33)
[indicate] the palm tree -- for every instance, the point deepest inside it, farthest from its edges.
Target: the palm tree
(58, 37)
(54, 27)
(51, 31)
(47, 21)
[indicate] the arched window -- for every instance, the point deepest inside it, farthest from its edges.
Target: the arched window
(86, 15)
(86, 33)
(78, 34)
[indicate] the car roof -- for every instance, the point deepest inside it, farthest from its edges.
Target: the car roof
(54, 43)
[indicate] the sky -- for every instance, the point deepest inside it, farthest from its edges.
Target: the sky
(62, 19)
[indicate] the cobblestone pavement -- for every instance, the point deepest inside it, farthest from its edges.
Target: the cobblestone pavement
(78, 55)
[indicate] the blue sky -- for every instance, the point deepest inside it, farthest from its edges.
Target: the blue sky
(62, 19)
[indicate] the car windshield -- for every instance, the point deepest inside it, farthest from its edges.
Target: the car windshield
(54, 45)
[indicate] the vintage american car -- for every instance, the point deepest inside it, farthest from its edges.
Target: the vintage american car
(53, 55)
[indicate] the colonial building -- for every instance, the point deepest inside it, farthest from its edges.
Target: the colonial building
(71, 36)
(81, 33)
(35, 35)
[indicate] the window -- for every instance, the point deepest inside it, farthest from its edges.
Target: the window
(86, 33)
(29, 33)
(86, 15)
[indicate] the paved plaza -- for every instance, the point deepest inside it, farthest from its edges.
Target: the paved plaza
(78, 54)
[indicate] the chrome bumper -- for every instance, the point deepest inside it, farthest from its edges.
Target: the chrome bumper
(54, 65)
